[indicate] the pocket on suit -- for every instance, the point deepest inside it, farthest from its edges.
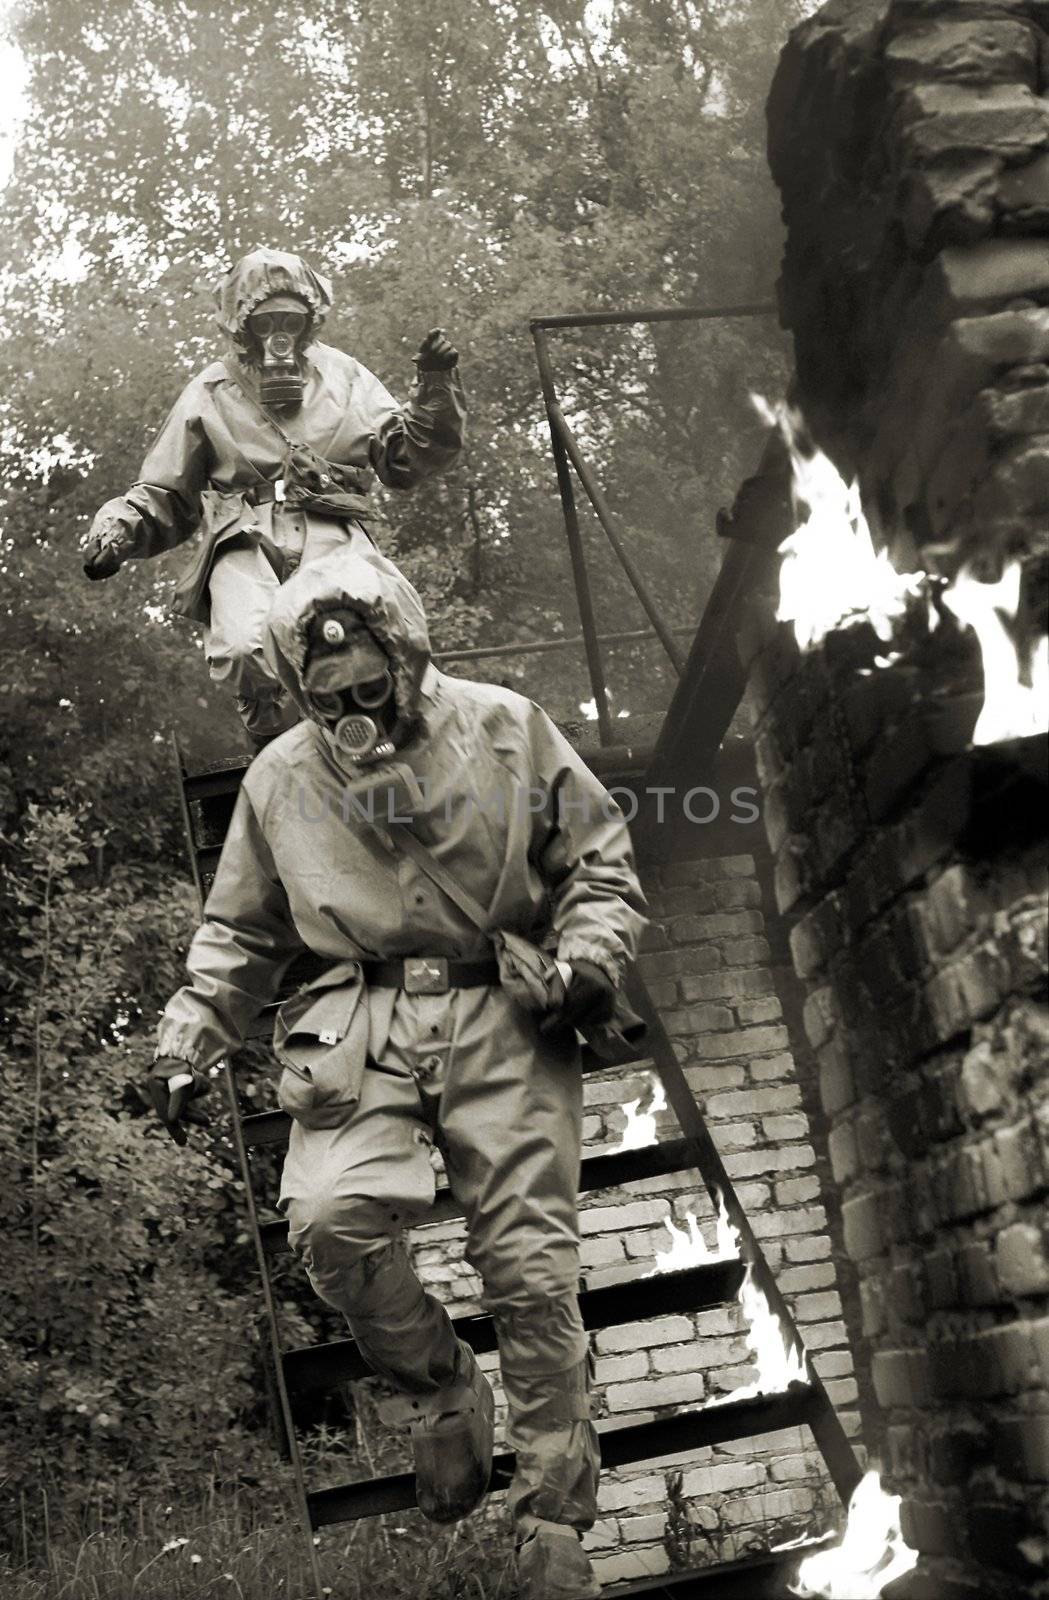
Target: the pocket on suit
(320, 1039)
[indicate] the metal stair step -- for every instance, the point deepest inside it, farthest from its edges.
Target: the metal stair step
(759, 1577)
(620, 1447)
(598, 1172)
(313, 1368)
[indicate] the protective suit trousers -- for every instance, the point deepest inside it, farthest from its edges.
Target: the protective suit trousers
(465, 1070)
(241, 590)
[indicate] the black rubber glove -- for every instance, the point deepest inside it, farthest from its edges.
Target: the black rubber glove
(591, 1000)
(102, 561)
(436, 353)
(175, 1108)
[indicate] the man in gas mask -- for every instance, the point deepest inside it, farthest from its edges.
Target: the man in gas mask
(487, 834)
(272, 450)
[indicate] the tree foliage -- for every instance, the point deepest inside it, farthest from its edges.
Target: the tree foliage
(467, 163)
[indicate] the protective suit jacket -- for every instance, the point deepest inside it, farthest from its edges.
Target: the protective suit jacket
(216, 447)
(508, 807)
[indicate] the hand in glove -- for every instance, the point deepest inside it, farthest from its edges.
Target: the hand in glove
(102, 561)
(591, 1000)
(174, 1106)
(436, 353)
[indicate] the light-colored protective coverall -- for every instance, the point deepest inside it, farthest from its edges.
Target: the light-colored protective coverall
(515, 815)
(216, 446)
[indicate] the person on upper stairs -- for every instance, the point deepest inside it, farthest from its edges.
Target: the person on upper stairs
(271, 451)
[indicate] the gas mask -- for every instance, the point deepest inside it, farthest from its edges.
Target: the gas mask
(349, 686)
(278, 330)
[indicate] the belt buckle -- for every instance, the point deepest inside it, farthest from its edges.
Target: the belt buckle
(278, 491)
(426, 974)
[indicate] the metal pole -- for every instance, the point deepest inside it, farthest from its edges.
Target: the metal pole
(575, 545)
(607, 319)
(479, 652)
(604, 516)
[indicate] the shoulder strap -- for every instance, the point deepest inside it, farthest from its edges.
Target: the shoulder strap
(253, 400)
(427, 862)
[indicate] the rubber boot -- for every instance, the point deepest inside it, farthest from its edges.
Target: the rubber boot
(452, 1433)
(552, 1565)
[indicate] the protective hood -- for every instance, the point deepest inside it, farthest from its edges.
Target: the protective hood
(257, 276)
(385, 602)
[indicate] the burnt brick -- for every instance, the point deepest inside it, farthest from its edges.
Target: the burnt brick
(901, 1378)
(907, 1124)
(844, 1153)
(1021, 1259)
(1000, 1534)
(817, 936)
(869, 705)
(793, 873)
(980, 1082)
(992, 270)
(908, 1294)
(956, 1451)
(874, 1306)
(1015, 1171)
(926, 1526)
(977, 1284)
(899, 762)
(862, 1225)
(977, 51)
(821, 1015)
(926, 835)
(966, 991)
(837, 1084)
(940, 1280)
(1021, 1447)
(1023, 196)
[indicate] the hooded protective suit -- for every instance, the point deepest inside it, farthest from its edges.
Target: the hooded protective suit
(217, 458)
(373, 1076)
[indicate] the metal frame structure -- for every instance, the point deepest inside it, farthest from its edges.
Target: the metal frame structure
(567, 454)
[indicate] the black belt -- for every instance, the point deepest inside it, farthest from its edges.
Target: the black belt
(429, 974)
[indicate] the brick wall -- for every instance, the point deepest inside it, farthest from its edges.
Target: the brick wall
(910, 141)
(920, 929)
(711, 968)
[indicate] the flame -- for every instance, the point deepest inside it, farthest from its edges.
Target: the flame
(831, 576)
(1011, 709)
(640, 1129)
(688, 1248)
(871, 1555)
(778, 1364)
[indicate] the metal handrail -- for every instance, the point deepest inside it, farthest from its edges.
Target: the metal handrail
(566, 453)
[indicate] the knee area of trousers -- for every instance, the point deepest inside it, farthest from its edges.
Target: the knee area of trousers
(345, 1227)
(540, 1336)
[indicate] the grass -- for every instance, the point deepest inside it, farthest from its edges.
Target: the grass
(243, 1545)
(229, 1548)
